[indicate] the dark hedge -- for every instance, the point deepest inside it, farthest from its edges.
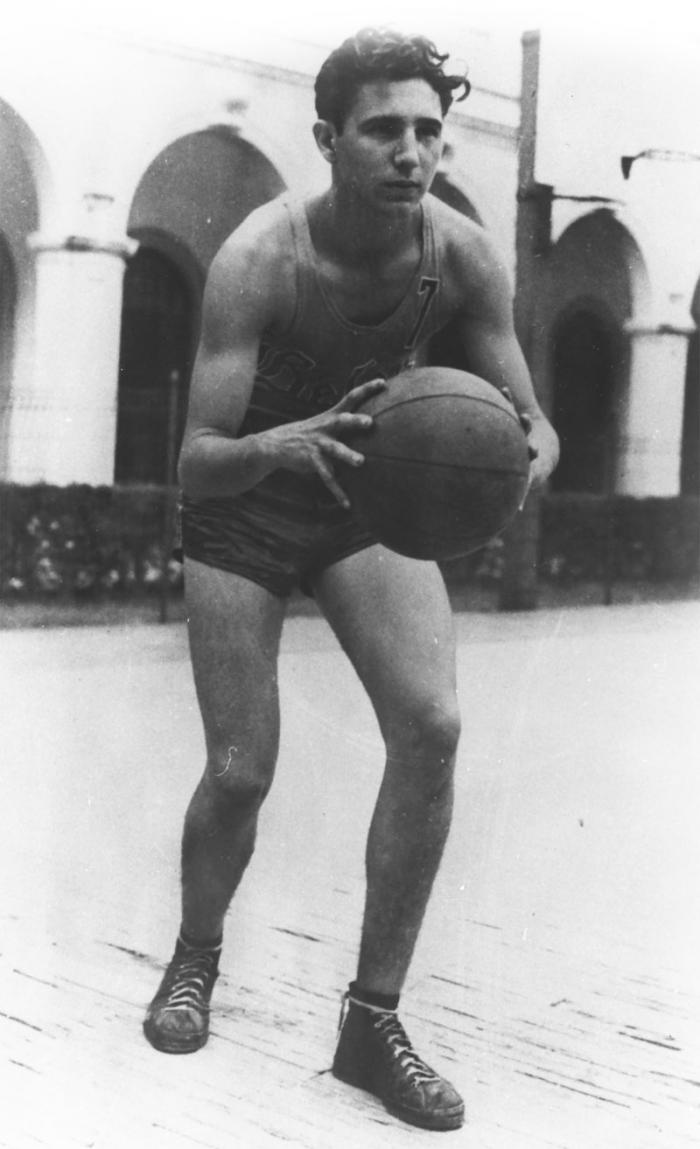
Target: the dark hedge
(652, 539)
(82, 541)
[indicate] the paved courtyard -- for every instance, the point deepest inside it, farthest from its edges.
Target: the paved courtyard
(556, 980)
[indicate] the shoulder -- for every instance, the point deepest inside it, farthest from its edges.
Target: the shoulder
(472, 261)
(259, 246)
(253, 270)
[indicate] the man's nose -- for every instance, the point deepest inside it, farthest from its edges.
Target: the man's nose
(406, 154)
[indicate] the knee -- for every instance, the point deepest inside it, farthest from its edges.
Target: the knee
(429, 735)
(236, 779)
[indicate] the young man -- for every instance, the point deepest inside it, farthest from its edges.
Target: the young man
(308, 306)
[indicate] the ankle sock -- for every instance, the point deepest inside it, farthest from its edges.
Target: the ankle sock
(372, 999)
(199, 943)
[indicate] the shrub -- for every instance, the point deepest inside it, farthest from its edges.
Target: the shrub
(583, 537)
(83, 541)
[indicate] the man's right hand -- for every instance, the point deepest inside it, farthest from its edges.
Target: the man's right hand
(312, 446)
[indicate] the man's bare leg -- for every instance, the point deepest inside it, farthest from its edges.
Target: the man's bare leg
(393, 618)
(234, 629)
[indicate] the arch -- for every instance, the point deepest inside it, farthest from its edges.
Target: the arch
(590, 285)
(597, 256)
(588, 354)
(200, 188)
(234, 120)
(25, 180)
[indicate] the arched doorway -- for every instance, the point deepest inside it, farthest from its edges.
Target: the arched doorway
(200, 188)
(586, 363)
(596, 270)
(155, 363)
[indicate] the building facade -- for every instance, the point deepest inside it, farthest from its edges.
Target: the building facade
(125, 164)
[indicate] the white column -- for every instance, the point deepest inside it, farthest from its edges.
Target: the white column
(63, 417)
(652, 420)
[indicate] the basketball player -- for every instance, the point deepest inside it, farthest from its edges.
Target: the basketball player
(308, 306)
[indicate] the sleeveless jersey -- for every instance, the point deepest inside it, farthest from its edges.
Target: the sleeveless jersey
(323, 355)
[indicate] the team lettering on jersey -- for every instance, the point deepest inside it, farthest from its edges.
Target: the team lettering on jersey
(290, 371)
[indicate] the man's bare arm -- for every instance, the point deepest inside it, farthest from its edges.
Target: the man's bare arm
(492, 350)
(250, 288)
(235, 311)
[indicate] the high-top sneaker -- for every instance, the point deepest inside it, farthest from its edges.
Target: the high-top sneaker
(177, 1020)
(375, 1053)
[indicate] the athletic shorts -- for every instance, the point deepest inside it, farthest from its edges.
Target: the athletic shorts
(280, 534)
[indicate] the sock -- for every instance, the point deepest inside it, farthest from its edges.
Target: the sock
(201, 944)
(371, 998)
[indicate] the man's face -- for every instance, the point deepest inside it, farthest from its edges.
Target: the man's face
(391, 143)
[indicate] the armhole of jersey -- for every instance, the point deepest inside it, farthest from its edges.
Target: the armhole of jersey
(296, 230)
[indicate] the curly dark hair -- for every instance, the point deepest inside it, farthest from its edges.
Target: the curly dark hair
(381, 54)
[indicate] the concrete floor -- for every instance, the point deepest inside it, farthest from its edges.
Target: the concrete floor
(556, 978)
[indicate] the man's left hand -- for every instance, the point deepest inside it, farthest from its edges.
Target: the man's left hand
(542, 444)
(543, 447)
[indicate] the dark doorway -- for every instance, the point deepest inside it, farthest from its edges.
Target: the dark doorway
(154, 364)
(587, 354)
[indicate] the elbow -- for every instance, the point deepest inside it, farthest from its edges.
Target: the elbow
(189, 471)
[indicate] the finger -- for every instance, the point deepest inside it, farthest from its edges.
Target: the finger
(343, 454)
(361, 394)
(325, 473)
(346, 422)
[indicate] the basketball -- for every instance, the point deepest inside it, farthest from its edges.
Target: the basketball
(446, 464)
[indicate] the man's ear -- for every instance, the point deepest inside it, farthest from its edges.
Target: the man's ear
(325, 136)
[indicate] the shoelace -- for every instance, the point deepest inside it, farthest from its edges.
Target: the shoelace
(190, 980)
(397, 1042)
(386, 1023)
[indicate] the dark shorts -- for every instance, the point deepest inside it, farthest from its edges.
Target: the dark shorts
(280, 534)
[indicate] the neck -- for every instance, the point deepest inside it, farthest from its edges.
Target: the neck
(351, 226)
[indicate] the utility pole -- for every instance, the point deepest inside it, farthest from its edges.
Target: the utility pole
(518, 590)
